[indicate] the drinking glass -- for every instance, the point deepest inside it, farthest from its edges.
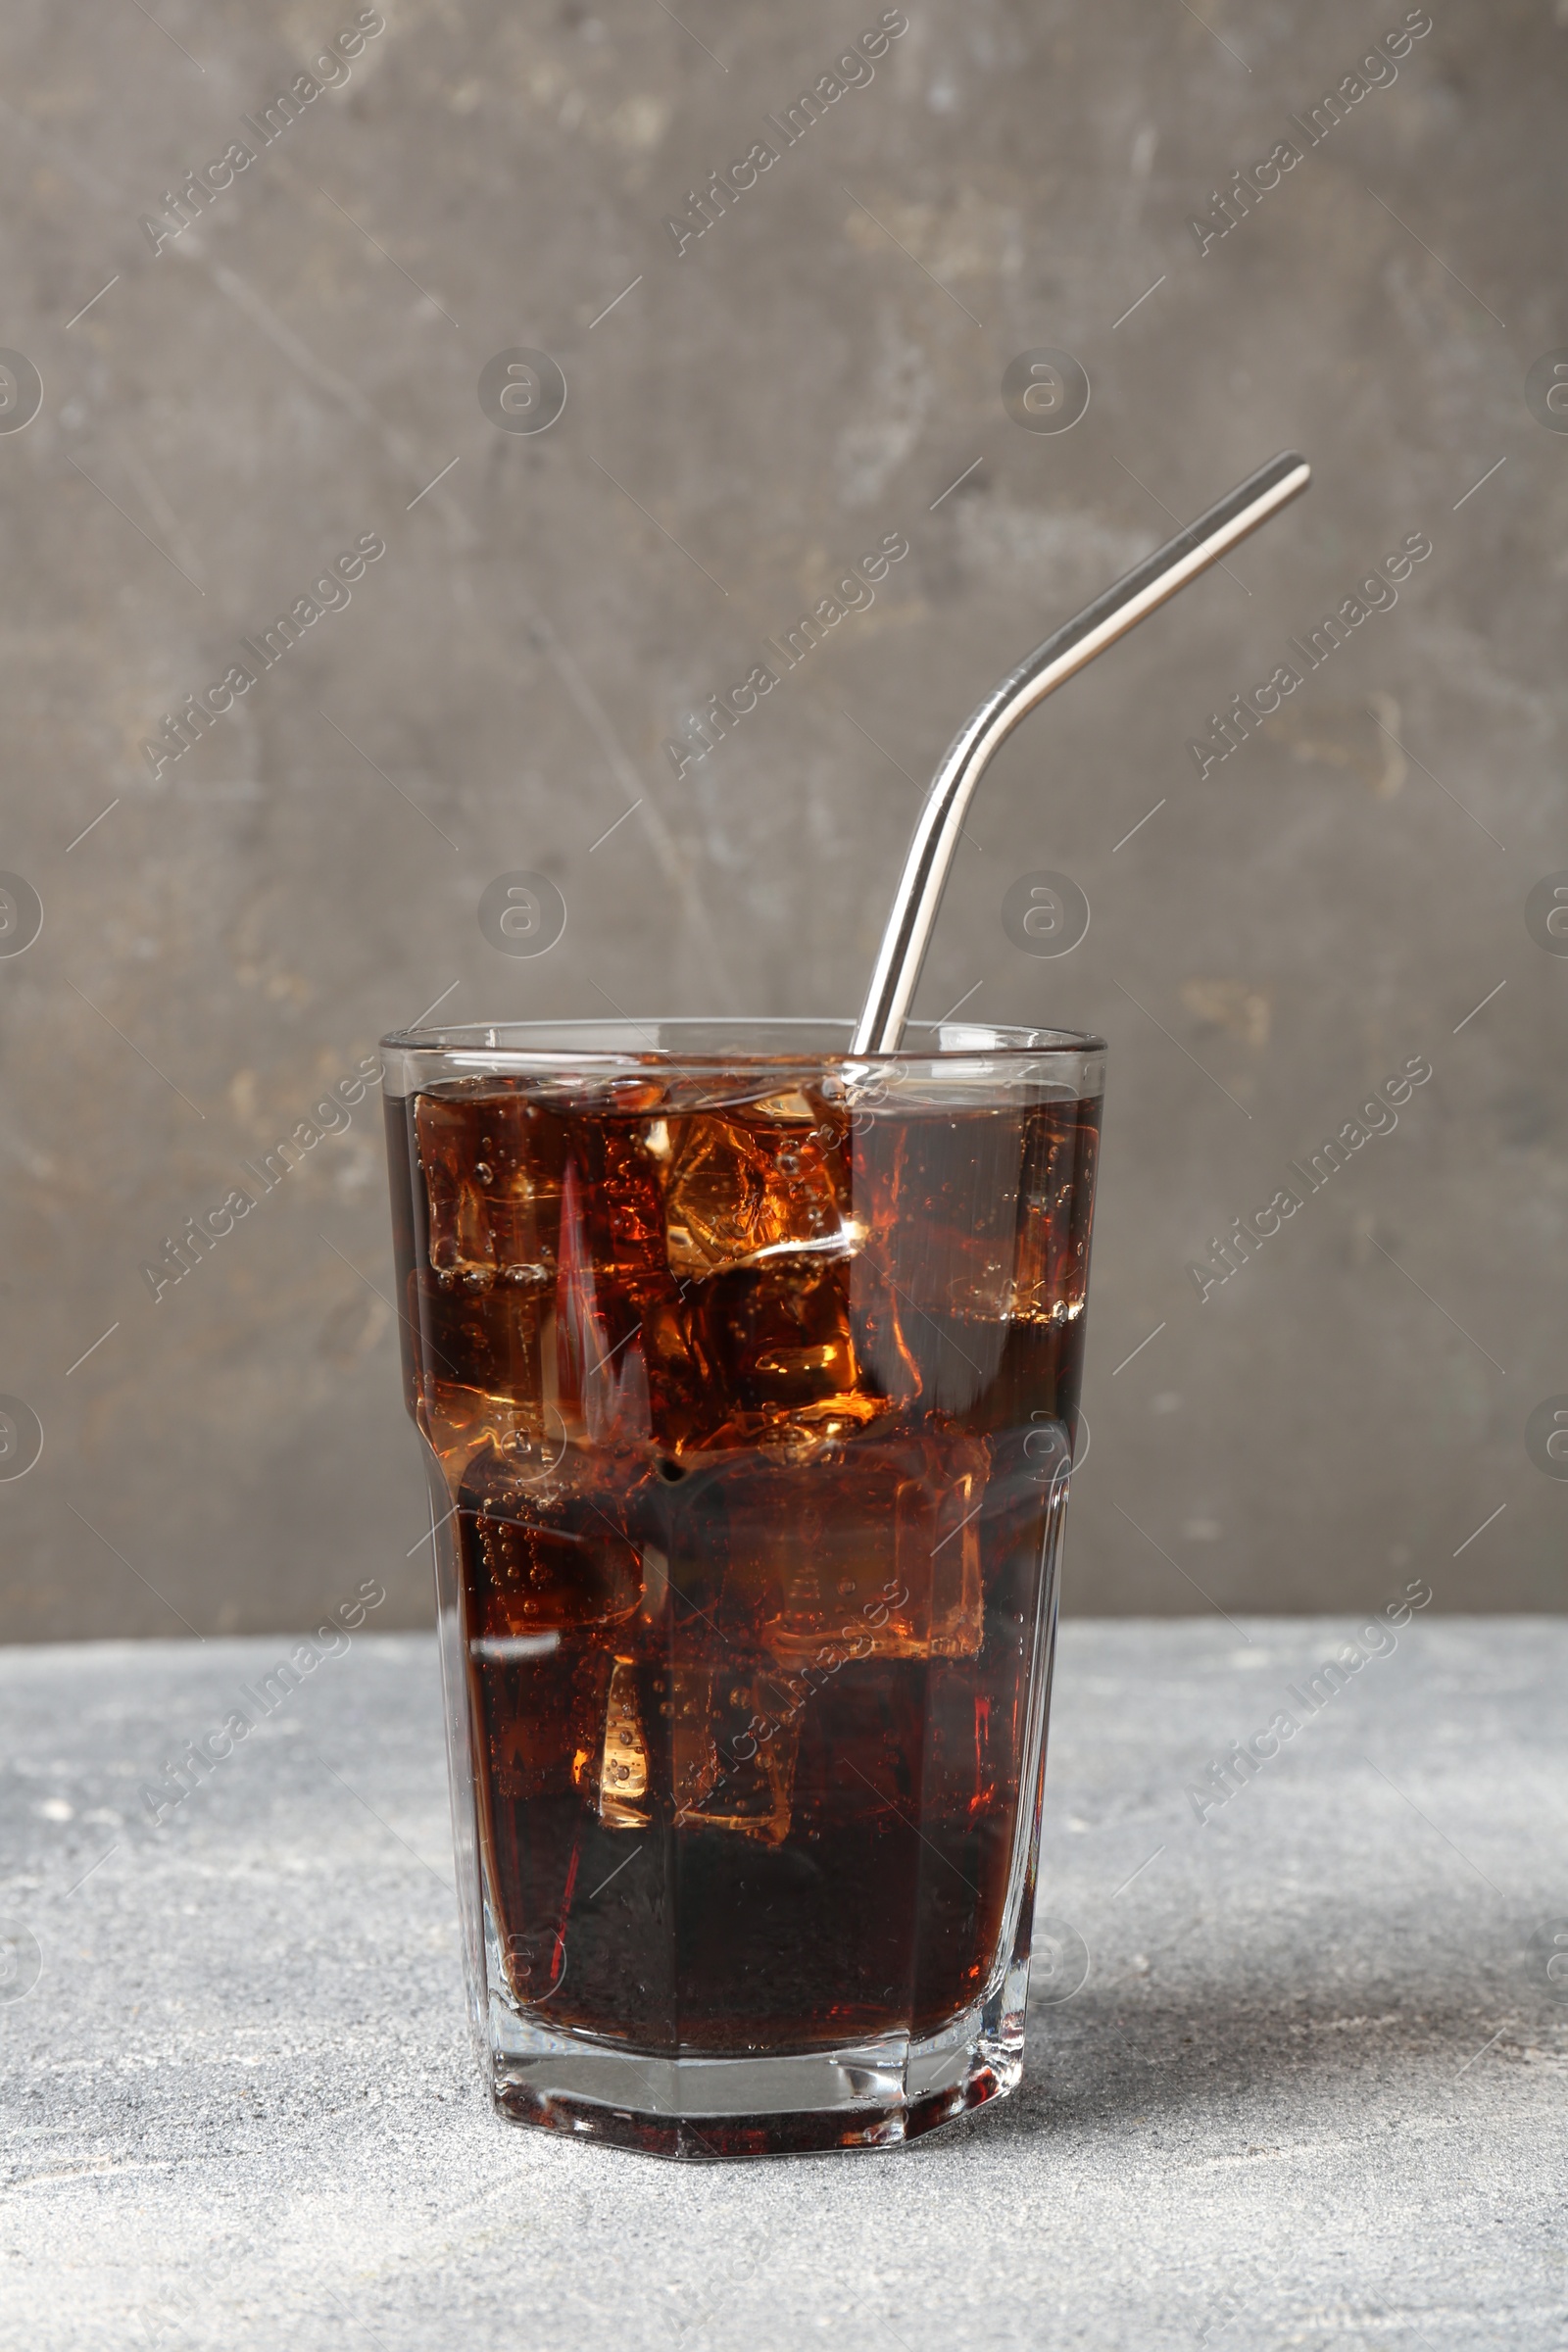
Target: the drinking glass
(747, 1375)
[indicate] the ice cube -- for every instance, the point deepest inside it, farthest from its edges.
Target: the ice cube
(890, 1367)
(483, 1378)
(940, 1196)
(877, 1556)
(733, 1742)
(624, 1176)
(740, 1190)
(621, 1353)
(623, 1772)
(1056, 1193)
(780, 1343)
(682, 1406)
(790, 1105)
(492, 1179)
(729, 1743)
(552, 1553)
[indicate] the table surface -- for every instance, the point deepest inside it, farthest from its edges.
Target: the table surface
(1312, 2092)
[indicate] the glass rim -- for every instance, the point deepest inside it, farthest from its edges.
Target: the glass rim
(613, 1040)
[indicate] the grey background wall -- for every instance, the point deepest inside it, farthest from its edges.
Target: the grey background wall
(221, 940)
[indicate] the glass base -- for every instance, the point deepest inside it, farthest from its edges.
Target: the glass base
(874, 2094)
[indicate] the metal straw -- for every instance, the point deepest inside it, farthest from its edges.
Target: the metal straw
(936, 835)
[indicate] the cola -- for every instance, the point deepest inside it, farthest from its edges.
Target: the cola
(753, 1396)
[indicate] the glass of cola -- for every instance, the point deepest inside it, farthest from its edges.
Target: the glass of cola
(747, 1372)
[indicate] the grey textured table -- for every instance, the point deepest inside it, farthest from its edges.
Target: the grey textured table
(1311, 2093)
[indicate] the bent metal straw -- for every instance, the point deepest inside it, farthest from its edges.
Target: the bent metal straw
(909, 925)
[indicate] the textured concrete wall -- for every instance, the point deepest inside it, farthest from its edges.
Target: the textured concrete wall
(820, 368)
